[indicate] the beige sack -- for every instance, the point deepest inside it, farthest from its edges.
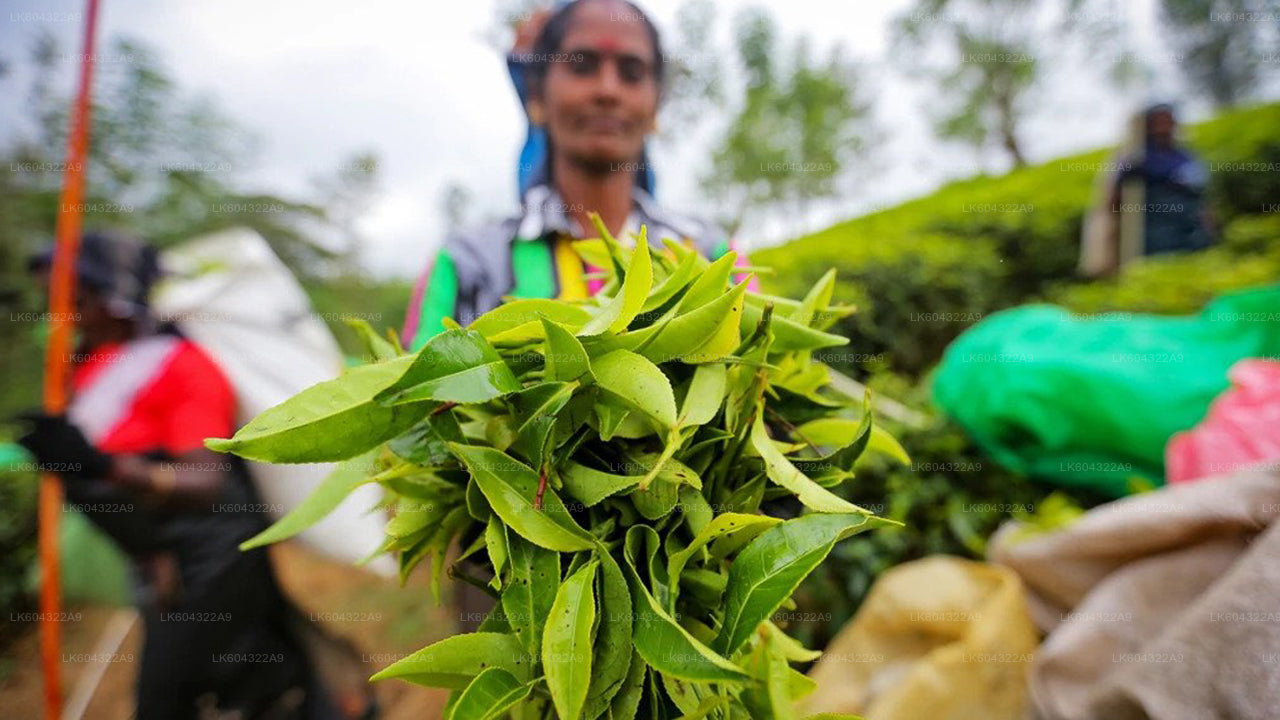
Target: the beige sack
(1162, 605)
(939, 638)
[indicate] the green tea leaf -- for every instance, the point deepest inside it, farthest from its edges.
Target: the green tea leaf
(566, 643)
(422, 486)
(705, 395)
(659, 490)
(315, 424)
(818, 298)
(638, 383)
(375, 346)
(689, 696)
(426, 443)
(616, 255)
(610, 416)
(705, 334)
(683, 273)
(882, 442)
(666, 646)
(840, 462)
(510, 486)
(789, 335)
(495, 541)
(627, 701)
(711, 398)
(644, 544)
(532, 588)
(791, 648)
(697, 511)
(593, 250)
(412, 516)
(457, 366)
(705, 586)
(477, 505)
(455, 661)
(535, 410)
(770, 568)
(496, 622)
(777, 677)
(489, 696)
(618, 313)
(329, 494)
(438, 546)
(723, 525)
(658, 500)
(566, 359)
(782, 472)
(710, 283)
(520, 313)
(613, 649)
(590, 486)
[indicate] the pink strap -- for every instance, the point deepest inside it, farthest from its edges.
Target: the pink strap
(414, 315)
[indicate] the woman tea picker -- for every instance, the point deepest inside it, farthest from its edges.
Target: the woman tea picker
(595, 79)
(218, 633)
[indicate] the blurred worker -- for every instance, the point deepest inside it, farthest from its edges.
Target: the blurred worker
(1173, 181)
(1155, 201)
(594, 83)
(131, 453)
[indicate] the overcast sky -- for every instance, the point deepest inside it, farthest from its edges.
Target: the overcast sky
(418, 83)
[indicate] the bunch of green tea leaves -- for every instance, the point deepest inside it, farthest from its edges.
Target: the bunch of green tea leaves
(646, 476)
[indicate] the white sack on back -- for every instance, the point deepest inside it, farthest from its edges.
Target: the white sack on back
(231, 295)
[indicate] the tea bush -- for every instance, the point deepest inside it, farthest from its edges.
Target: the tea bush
(988, 243)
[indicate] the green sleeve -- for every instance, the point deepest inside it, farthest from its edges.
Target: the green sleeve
(437, 300)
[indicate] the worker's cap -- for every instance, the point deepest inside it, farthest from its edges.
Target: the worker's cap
(121, 269)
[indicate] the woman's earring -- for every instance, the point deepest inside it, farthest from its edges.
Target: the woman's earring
(535, 115)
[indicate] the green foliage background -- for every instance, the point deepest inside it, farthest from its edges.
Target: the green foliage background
(924, 271)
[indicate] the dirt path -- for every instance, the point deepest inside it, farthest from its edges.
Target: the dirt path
(381, 621)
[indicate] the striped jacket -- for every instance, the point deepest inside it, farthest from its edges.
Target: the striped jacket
(529, 256)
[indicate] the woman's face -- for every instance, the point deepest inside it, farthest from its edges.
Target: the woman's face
(600, 97)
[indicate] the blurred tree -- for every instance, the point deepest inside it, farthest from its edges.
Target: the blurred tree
(1223, 44)
(986, 71)
(162, 165)
(1104, 31)
(346, 197)
(694, 76)
(796, 128)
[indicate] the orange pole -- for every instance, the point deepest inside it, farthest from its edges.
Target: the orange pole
(57, 377)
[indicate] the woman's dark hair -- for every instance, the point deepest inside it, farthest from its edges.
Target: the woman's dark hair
(550, 40)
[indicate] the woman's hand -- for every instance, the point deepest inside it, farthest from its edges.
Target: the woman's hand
(527, 31)
(60, 447)
(191, 479)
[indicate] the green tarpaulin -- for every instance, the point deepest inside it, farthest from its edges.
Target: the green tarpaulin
(1091, 401)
